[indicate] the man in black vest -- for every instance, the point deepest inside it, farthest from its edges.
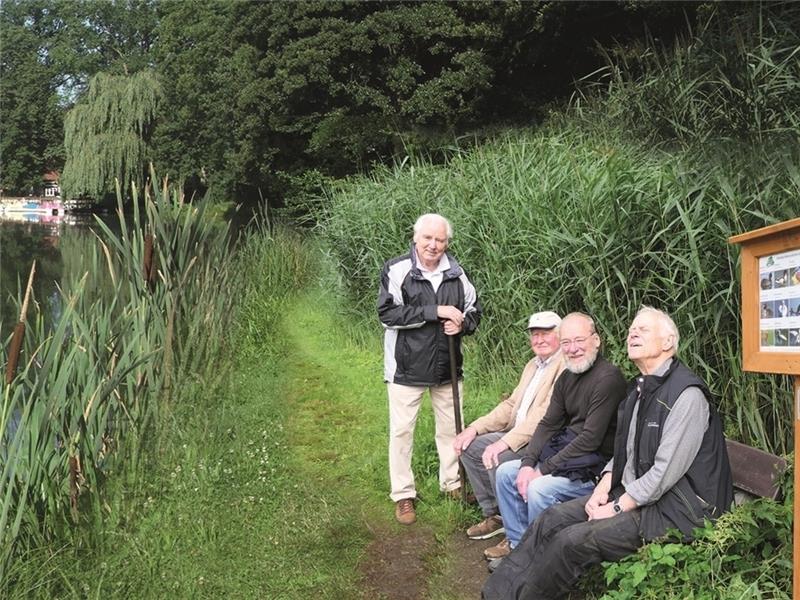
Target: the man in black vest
(670, 471)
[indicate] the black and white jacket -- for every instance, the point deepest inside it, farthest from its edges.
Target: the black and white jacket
(415, 345)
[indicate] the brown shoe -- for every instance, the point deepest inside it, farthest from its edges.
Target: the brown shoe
(404, 511)
(489, 527)
(502, 550)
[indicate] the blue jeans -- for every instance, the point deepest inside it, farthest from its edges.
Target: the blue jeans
(543, 492)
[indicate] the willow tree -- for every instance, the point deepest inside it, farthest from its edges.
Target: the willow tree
(106, 134)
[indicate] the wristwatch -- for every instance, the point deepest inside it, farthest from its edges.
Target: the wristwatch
(617, 507)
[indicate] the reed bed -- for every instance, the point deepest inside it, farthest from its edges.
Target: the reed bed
(735, 78)
(568, 220)
(93, 387)
(625, 198)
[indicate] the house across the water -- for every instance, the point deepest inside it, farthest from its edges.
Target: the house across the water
(51, 188)
(46, 202)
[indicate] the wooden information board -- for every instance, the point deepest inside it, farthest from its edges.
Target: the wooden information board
(770, 262)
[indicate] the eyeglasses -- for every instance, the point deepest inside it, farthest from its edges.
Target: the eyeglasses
(578, 341)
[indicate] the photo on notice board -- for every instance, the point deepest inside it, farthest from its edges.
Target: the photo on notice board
(779, 301)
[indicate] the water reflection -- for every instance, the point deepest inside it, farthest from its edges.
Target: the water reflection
(57, 244)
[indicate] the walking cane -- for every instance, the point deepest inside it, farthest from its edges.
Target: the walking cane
(457, 411)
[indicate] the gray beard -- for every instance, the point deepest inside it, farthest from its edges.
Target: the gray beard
(582, 366)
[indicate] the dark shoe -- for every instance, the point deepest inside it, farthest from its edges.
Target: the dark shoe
(501, 550)
(489, 527)
(404, 511)
(493, 564)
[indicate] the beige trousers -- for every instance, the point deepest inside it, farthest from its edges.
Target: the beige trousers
(404, 403)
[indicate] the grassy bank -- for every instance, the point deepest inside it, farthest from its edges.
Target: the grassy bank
(271, 484)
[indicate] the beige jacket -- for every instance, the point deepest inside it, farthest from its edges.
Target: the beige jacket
(504, 414)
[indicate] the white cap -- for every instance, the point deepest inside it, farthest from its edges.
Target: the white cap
(544, 320)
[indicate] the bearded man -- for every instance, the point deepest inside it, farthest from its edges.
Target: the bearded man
(573, 441)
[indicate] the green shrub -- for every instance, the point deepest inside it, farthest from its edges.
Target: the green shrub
(746, 554)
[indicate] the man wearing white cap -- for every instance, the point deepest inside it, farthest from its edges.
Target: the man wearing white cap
(500, 435)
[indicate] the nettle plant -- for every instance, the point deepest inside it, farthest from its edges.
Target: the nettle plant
(746, 554)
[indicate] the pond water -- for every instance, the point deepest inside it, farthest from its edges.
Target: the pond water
(56, 244)
(59, 245)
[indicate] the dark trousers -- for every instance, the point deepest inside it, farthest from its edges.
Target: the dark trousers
(481, 478)
(558, 548)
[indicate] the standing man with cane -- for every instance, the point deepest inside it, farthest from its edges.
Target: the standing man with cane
(425, 303)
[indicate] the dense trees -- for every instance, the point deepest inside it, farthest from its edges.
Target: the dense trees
(30, 128)
(259, 93)
(50, 49)
(262, 92)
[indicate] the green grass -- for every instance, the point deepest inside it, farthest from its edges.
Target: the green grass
(271, 478)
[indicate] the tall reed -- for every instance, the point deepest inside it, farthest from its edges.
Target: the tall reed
(569, 220)
(92, 388)
(735, 78)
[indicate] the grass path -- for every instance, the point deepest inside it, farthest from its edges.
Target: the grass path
(278, 488)
(275, 488)
(337, 430)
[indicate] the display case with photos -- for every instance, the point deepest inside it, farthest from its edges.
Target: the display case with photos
(770, 264)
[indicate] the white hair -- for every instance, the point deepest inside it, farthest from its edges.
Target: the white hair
(433, 217)
(667, 324)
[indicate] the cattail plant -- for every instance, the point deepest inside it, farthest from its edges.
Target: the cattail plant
(19, 332)
(87, 402)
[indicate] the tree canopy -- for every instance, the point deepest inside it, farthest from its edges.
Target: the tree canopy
(255, 94)
(31, 124)
(50, 50)
(259, 93)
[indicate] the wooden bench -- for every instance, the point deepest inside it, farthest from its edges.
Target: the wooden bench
(756, 474)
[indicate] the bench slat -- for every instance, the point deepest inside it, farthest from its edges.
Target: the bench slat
(755, 471)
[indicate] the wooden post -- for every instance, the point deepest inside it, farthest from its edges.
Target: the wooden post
(770, 262)
(796, 531)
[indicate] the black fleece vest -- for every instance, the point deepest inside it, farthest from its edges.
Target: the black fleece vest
(706, 490)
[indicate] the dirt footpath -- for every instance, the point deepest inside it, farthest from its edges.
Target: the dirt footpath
(398, 565)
